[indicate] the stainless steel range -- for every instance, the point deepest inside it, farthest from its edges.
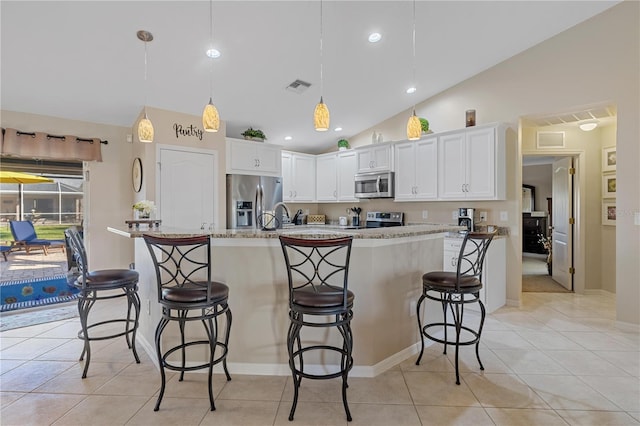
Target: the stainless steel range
(384, 219)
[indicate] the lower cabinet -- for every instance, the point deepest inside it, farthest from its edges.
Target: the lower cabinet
(494, 271)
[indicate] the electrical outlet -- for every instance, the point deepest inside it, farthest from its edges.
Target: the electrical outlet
(412, 308)
(483, 216)
(504, 216)
(425, 214)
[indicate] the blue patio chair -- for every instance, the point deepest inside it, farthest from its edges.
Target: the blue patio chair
(25, 237)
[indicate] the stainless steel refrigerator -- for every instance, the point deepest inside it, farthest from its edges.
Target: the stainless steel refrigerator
(251, 202)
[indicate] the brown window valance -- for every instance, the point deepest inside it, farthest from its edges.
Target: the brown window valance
(45, 146)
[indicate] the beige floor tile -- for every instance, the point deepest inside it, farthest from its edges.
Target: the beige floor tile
(312, 413)
(519, 320)
(7, 342)
(433, 359)
(66, 330)
(71, 381)
(31, 348)
(567, 392)
(524, 417)
(10, 364)
(523, 361)
(585, 363)
(468, 362)
(7, 398)
(622, 391)
(71, 350)
(31, 375)
(134, 379)
(549, 340)
(562, 323)
(386, 388)
(103, 410)
(231, 412)
(173, 411)
(256, 388)
(428, 388)
(316, 390)
(599, 341)
(115, 351)
(458, 416)
(31, 331)
(627, 361)
(504, 340)
(384, 415)
(503, 390)
(596, 418)
(634, 414)
(39, 408)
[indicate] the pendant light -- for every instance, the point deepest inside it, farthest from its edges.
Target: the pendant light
(414, 129)
(145, 128)
(321, 117)
(210, 117)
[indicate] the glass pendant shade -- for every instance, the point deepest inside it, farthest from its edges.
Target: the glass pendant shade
(414, 129)
(145, 130)
(210, 118)
(321, 117)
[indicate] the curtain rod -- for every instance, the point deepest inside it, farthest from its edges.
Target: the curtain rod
(33, 135)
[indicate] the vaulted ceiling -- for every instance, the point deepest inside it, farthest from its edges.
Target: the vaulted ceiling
(82, 60)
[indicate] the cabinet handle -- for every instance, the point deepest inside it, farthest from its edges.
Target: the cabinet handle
(295, 194)
(335, 194)
(290, 194)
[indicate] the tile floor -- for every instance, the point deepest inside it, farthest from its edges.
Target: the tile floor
(560, 359)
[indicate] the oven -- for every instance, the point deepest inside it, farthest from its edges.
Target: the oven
(384, 219)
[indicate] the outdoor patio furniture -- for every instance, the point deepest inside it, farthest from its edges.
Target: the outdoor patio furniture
(5, 250)
(24, 235)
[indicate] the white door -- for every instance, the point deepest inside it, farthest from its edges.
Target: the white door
(187, 187)
(562, 212)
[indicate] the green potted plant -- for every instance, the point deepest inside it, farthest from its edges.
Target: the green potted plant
(253, 134)
(424, 124)
(343, 144)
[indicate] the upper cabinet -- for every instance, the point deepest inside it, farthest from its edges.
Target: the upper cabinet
(335, 176)
(416, 170)
(373, 158)
(253, 158)
(472, 163)
(298, 177)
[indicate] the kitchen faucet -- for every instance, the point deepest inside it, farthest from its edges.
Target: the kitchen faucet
(284, 206)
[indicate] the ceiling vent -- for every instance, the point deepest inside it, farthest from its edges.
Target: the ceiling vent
(298, 86)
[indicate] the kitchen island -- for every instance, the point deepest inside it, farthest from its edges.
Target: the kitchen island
(385, 275)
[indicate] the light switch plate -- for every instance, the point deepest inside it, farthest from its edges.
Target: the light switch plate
(504, 216)
(483, 216)
(636, 218)
(425, 214)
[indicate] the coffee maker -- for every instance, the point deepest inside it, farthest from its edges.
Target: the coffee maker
(466, 218)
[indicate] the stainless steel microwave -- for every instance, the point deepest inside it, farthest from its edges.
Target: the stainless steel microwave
(374, 185)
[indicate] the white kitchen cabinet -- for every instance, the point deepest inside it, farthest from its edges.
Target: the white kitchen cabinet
(335, 176)
(494, 272)
(298, 177)
(416, 170)
(253, 158)
(372, 158)
(472, 164)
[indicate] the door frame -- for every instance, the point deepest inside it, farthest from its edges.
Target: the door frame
(216, 162)
(579, 230)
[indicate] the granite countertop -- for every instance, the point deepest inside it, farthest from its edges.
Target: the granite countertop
(301, 231)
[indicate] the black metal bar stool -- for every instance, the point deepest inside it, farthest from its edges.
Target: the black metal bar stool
(93, 285)
(453, 290)
(317, 271)
(186, 293)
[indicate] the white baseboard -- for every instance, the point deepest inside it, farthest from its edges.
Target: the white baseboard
(514, 303)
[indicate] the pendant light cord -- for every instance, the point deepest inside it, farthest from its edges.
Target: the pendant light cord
(145, 77)
(414, 53)
(211, 47)
(321, 70)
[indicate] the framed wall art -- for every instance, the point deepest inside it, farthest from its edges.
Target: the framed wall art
(608, 213)
(609, 160)
(609, 186)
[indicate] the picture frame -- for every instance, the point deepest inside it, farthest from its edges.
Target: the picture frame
(609, 159)
(136, 174)
(609, 185)
(609, 213)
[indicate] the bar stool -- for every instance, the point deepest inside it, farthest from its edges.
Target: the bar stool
(454, 290)
(93, 285)
(186, 293)
(317, 271)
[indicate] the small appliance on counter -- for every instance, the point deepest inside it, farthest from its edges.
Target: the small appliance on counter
(466, 218)
(384, 219)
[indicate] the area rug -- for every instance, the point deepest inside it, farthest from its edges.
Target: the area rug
(34, 316)
(25, 294)
(541, 284)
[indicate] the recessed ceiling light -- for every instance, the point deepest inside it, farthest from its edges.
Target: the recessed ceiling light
(337, 129)
(213, 53)
(411, 90)
(375, 37)
(288, 138)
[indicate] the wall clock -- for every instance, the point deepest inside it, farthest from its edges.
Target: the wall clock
(136, 174)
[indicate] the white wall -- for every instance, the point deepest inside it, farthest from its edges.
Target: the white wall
(594, 62)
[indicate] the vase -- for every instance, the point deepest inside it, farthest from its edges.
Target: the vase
(140, 215)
